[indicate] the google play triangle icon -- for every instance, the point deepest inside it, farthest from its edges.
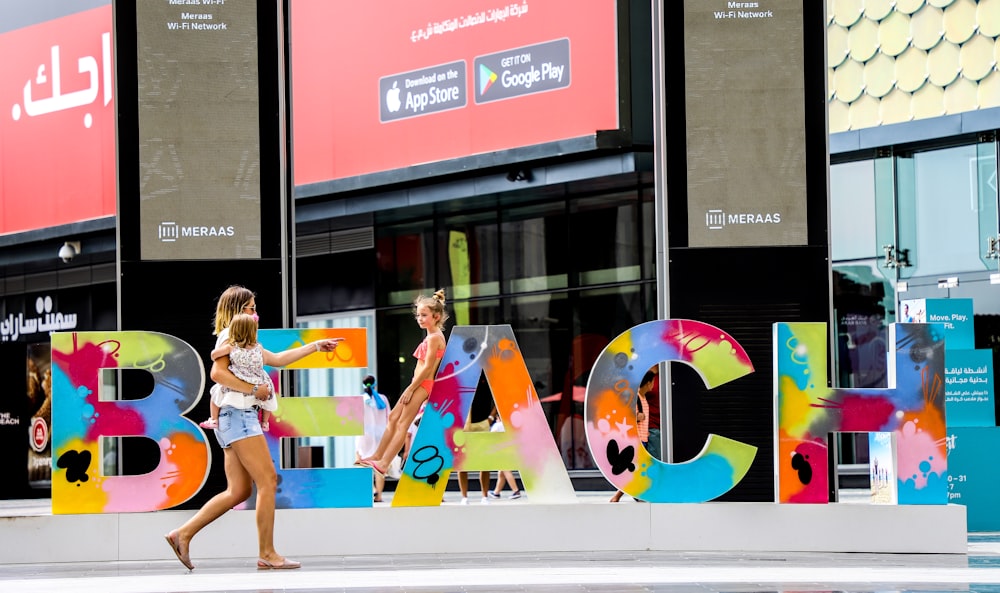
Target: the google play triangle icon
(486, 78)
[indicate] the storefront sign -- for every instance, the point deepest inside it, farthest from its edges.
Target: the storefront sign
(44, 319)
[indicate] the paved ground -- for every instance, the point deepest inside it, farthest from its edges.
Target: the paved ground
(544, 573)
(599, 571)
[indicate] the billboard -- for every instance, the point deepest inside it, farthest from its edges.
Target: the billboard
(199, 145)
(746, 123)
(57, 124)
(377, 89)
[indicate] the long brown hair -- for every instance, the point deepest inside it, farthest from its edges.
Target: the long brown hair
(231, 302)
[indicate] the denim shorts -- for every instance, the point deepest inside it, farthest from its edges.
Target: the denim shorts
(236, 424)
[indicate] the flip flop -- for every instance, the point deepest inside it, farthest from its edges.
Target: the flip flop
(285, 564)
(375, 467)
(174, 540)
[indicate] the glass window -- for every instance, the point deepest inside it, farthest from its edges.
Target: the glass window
(942, 201)
(988, 191)
(852, 210)
(605, 239)
(862, 300)
(470, 259)
(533, 245)
(404, 256)
(648, 242)
(337, 451)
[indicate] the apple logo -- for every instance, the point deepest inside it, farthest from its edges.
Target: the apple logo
(392, 98)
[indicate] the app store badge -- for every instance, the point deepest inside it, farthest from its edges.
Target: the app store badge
(421, 92)
(522, 71)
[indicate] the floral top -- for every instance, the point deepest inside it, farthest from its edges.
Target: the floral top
(247, 364)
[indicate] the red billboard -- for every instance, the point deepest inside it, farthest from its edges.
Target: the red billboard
(57, 122)
(378, 87)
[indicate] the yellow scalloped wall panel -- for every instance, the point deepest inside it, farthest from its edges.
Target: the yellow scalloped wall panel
(989, 91)
(907, 6)
(891, 61)
(911, 69)
(928, 101)
(960, 21)
(894, 108)
(837, 48)
(927, 27)
(862, 38)
(864, 113)
(988, 17)
(943, 65)
(879, 75)
(961, 96)
(976, 57)
(894, 34)
(877, 10)
(847, 12)
(838, 117)
(848, 81)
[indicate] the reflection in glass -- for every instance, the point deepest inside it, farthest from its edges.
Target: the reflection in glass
(533, 243)
(336, 451)
(942, 204)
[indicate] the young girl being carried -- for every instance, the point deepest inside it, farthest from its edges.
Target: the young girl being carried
(246, 361)
(430, 315)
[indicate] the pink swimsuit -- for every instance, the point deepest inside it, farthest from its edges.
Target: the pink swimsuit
(420, 353)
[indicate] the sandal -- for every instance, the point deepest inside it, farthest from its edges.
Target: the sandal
(374, 466)
(285, 564)
(209, 424)
(174, 540)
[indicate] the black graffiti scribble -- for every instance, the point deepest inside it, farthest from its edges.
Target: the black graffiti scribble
(620, 461)
(800, 463)
(76, 464)
(427, 456)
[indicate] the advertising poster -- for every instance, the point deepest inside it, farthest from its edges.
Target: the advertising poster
(39, 407)
(57, 120)
(956, 315)
(882, 467)
(968, 390)
(377, 90)
(972, 477)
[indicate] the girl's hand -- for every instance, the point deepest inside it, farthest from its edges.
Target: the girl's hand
(405, 398)
(640, 416)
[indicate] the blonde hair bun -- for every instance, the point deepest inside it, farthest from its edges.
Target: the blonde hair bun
(439, 295)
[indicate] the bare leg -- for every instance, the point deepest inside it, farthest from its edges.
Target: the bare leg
(238, 489)
(501, 479)
(484, 483)
(463, 483)
(395, 432)
(617, 496)
(256, 459)
(509, 477)
(379, 486)
(389, 434)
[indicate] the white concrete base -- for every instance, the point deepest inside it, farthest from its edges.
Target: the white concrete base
(523, 527)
